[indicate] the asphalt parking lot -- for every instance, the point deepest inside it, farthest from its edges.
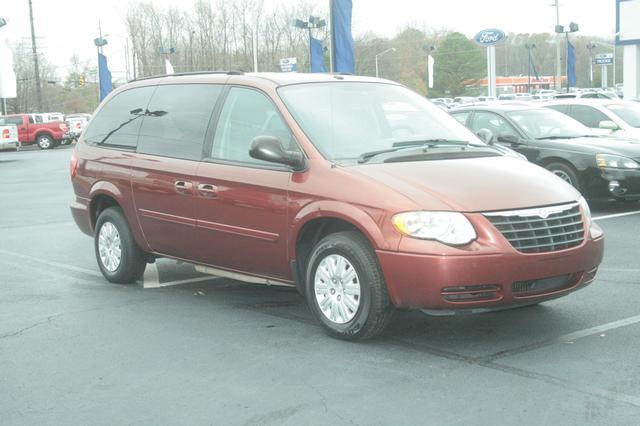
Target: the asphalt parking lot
(194, 349)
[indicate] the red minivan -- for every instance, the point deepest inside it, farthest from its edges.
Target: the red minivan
(355, 190)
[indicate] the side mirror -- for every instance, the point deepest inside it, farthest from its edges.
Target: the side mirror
(512, 139)
(269, 148)
(485, 135)
(608, 125)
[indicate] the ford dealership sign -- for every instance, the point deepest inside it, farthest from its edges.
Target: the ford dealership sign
(490, 37)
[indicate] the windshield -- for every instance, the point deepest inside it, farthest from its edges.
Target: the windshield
(546, 123)
(345, 120)
(630, 113)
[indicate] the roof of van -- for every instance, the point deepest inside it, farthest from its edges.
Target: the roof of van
(278, 78)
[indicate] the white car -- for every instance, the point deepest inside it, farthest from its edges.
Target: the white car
(604, 116)
(77, 123)
(9, 137)
(588, 94)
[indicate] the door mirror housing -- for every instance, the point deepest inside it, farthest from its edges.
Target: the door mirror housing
(608, 125)
(512, 139)
(269, 148)
(485, 136)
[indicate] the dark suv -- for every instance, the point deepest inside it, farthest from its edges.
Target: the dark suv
(356, 190)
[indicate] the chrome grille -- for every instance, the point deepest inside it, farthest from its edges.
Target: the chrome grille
(541, 229)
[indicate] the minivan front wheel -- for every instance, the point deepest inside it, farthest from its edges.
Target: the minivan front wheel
(119, 258)
(346, 289)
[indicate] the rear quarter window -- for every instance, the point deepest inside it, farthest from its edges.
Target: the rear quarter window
(118, 122)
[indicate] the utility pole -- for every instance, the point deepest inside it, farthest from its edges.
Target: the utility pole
(558, 78)
(35, 59)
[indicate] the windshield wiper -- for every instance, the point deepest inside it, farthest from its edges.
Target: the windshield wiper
(557, 137)
(397, 146)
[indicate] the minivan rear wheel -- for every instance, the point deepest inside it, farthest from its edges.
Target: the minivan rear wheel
(120, 259)
(346, 290)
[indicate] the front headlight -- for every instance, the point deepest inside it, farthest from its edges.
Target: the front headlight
(586, 210)
(447, 227)
(615, 162)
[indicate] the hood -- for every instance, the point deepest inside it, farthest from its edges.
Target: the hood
(472, 184)
(606, 145)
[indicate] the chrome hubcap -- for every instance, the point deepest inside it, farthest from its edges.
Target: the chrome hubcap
(562, 175)
(109, 247)
(45, 142)
(337, 289)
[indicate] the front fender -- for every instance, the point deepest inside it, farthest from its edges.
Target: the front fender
(373, 223)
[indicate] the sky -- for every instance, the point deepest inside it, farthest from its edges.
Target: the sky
(67, 27)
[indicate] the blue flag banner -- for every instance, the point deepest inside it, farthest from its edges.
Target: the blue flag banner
(571, 65)
(104, 75)
(317, 55)
(341, 38)
(533, 66)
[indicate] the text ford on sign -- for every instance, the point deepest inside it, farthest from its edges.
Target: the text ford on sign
(490, 37)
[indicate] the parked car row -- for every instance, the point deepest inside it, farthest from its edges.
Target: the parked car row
(45, 130)
(45, 135)
(543, 95)
(596, 165)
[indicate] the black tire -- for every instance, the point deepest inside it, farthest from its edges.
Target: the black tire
(45, 142)
(374, 309)
(565, 172)
(132, 260)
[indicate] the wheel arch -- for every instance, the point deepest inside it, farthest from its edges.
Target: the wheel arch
(104, 194)
(318, 220)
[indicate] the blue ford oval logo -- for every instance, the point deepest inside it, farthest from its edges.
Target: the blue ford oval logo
(490, 37)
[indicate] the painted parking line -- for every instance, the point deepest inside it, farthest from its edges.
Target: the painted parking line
(565, 338)
(632, 270)
(51, 263)
(150, 281)
(611, 216)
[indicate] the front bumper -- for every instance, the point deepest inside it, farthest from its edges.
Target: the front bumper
(622, 183)
(479, 281)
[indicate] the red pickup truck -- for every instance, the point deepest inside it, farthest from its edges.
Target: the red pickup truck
(46, 135)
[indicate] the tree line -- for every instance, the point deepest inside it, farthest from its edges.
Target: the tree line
(221, 34)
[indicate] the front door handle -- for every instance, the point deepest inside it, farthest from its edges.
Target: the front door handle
(182, 187)
(207, 190)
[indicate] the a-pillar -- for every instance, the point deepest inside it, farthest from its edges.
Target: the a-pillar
(631, 72)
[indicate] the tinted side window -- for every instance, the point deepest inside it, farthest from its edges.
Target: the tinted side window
(588, 116)
(462, 116)
(246, 114)
(560, 108)
(177, 120)
(493, 122)
(118, 121)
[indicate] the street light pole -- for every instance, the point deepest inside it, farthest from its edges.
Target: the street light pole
(590, 47)
(3, 22)
(573, 27)
(529, 46)
(391, 49)
(313, 23)
(558, 81)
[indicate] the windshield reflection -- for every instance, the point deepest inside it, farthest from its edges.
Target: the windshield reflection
(344, 120)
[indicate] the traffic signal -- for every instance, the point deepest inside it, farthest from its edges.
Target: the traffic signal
(82, 81)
